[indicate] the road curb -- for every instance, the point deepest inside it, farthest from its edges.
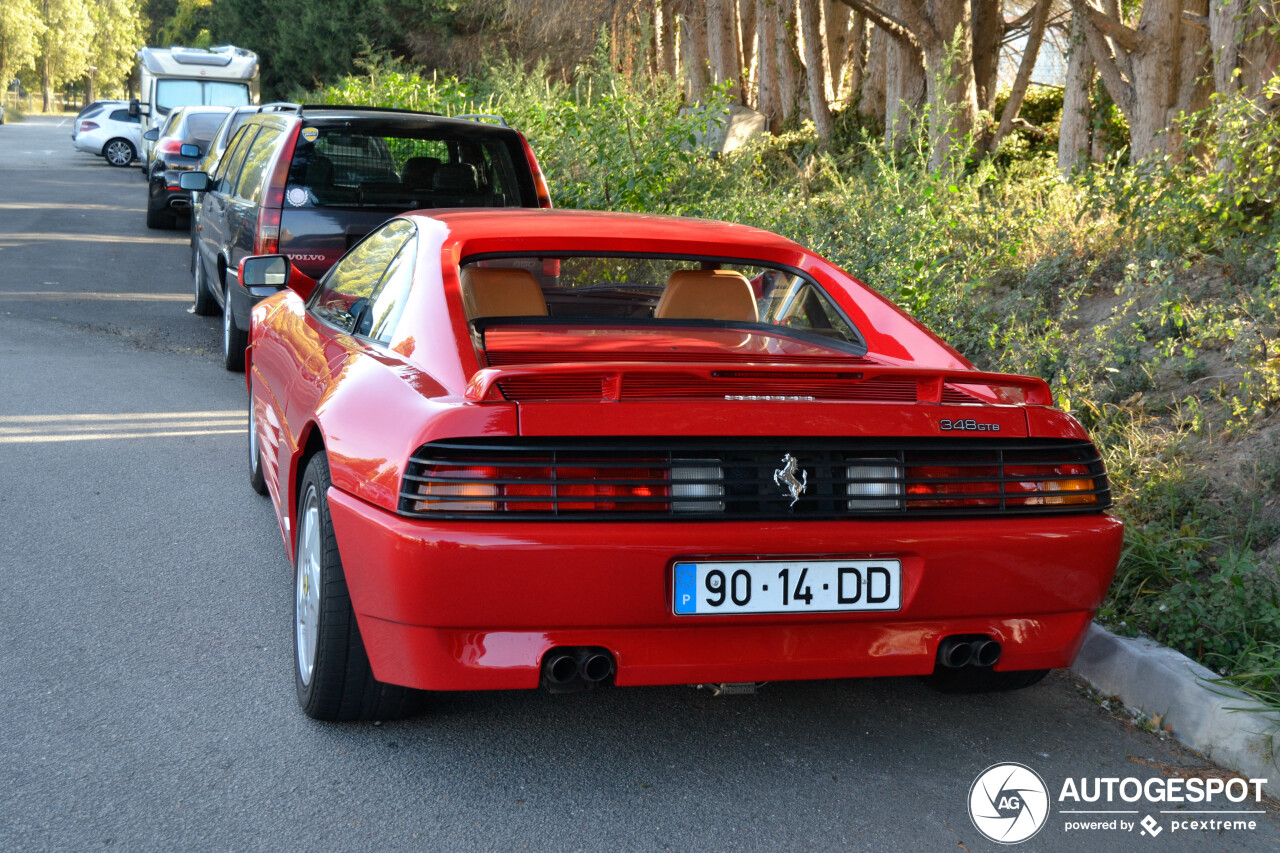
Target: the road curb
(1160, 681)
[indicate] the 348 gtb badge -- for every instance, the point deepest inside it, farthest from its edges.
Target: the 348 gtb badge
(512, 448)
(966, 425)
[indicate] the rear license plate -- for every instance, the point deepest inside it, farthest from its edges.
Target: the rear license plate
(787, 586)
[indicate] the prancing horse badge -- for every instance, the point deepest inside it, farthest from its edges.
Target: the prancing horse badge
(786, 476)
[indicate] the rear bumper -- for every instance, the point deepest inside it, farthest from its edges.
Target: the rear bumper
(466, 606)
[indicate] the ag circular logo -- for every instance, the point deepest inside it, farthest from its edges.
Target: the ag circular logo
(1008, 803)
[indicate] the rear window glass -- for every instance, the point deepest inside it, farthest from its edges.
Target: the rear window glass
(602, 291)
(406, 169)
(202, 126)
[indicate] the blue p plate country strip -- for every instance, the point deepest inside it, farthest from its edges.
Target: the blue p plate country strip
(686, 588)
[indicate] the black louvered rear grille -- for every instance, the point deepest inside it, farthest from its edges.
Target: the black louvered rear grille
(701, 479)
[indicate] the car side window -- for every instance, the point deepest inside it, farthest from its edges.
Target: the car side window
(392, 292)
(123, 115)
(344, 295)
(229, 169)
(249, 187)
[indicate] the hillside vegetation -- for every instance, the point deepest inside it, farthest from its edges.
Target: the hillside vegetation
(1148, 298)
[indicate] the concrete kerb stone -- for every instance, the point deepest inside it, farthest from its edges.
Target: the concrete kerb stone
(1157, 680)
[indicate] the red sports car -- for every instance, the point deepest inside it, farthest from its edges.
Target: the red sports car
(508, 448)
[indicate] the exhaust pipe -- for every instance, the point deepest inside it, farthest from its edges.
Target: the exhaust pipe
(986, 652)
(954, 653)
(594, 666)
(559, 669)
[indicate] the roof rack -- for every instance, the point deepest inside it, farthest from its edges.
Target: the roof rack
(484, 118)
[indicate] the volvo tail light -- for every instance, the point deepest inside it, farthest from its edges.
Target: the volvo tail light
(539, 182)
(266, 239)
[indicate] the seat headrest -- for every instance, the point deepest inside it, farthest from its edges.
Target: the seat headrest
(501, 292)
(708, 295)
(419, 171)
(456, 178)
(320, 171)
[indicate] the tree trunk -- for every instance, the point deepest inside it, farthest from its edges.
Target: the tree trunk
(835, 17)
(788, 60)
(1225, 21)
(905, 90)
(871, 97)
(722, 51)
(747, 47)
(693, 50)
(988, 33)
(1073, 132)
(953, 100)
(1155, 76)
(1195, 76)
(46, 82)
(856, 58)
(1143, 74)
(768, 100)
(811, 32)
(1030, 52)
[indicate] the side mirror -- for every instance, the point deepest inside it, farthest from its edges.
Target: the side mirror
(199, 182)
(267, 274)
(135, 109)
(189, 150)
(152, 135)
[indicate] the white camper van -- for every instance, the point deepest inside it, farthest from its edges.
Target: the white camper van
(168, 77)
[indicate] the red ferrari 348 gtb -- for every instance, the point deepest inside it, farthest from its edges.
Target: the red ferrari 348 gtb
(571, 448)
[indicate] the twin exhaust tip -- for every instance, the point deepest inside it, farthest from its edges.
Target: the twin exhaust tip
(968, 650)
(568, 669)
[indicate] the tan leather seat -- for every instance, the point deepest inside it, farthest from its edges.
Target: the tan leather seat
(501, 292)
(708, 295)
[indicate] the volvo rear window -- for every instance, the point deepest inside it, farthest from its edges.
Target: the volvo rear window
(385, 166)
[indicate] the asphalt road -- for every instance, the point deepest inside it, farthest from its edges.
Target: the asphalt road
(146, 694)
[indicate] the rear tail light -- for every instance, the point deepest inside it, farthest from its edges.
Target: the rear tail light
(1049, 485)
(954, 486)
(88, 125)
(266, 240)
(534, 488)
(539, 182)
(699, 483)
(874, 484)
(170, 146)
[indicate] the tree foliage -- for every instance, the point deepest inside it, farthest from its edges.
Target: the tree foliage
(20, 37)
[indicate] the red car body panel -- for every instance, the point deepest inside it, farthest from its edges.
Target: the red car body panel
(455, 604)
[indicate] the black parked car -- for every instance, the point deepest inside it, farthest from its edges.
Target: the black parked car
(310, 181)
(180, 144)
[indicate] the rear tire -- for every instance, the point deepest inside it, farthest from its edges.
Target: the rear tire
(331, 669)
(257, 482)
(980, 680)
(119, 152)
(234, 339)
(161, 219)
(205, 305)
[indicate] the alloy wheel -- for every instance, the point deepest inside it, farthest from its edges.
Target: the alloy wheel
(307, 591)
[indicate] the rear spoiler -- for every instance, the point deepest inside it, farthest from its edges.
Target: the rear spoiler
(929, 380)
